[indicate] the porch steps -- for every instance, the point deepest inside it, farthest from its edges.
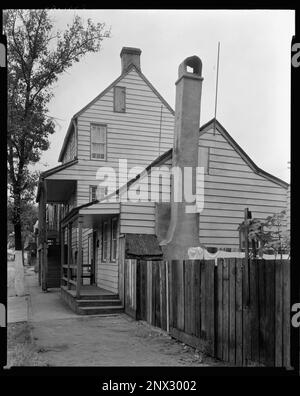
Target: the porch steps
(98, 297)
(112, 309)
(93, 301)
(98, 303)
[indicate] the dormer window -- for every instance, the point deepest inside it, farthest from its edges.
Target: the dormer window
(98, 141)
(120, 99)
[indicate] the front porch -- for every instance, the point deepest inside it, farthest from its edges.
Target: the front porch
(83, 285)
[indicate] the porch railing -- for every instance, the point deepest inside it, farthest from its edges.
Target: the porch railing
(69, 275)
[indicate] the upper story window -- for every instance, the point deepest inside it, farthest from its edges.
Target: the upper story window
(120, 99)
(98, 141)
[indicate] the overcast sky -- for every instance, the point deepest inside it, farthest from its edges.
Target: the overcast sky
(254, 74)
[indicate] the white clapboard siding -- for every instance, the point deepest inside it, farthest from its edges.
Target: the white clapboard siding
(221, 242)
(288, 209)
(137, 218)
(129, 132)
(230, 187)
(107, 274)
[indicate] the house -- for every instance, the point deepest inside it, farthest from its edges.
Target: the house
(133, 213)
(128, 120)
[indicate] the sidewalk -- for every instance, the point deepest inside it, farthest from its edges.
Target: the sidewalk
(17, 307)
(43, 306)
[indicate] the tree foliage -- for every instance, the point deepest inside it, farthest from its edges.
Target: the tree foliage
(270, 234)
(36, 56)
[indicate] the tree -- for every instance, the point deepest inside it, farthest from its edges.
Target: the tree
(36, 57)
(270, 234)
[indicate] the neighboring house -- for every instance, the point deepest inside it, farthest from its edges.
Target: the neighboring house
(130, 120)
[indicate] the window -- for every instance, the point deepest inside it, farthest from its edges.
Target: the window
(97, 193)
(120, 99)
(203, 158)
(104, 253)
(98, 141)
(114, 233)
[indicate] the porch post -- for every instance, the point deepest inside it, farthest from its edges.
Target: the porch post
(69, 252)
(79, 263)
(62, 253)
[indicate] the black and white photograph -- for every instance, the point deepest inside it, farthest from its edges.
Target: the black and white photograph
(148, 191)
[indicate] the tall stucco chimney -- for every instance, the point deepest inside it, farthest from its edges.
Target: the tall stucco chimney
(130, 56)
(183, 229)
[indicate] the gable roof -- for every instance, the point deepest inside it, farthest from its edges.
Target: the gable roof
(240, 151)
(115, 82)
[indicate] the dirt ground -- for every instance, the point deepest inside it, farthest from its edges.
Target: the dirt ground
(21, 350)
(111, 341)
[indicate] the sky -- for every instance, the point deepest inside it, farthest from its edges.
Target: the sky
(254, 71)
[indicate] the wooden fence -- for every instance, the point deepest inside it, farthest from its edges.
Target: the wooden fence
(236, 311)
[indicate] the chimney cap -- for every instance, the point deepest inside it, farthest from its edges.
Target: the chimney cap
(193, 62)
(130, 50)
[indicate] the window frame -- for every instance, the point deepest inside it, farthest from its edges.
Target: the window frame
(91, 193)
(115, 95)
(96, 187)
(91, 143)
(114, 220)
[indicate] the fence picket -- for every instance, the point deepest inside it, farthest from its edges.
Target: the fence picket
(239, 311)
(220, 309)
(232, 310)
(286, 311)
(254, 310)
(225, 310)
(197, 306)
(278, 314)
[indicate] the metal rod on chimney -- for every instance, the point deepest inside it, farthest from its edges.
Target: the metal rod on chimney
(217, 80)
(161, 110)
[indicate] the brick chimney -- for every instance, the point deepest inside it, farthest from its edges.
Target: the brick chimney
(130, 56)
(183, 231)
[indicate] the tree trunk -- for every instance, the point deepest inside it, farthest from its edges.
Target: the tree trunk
(17, 220)
(18, 236)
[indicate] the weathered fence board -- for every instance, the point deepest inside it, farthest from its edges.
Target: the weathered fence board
(278, 314)
(232, 311)
(286, 311)
(237, 311)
